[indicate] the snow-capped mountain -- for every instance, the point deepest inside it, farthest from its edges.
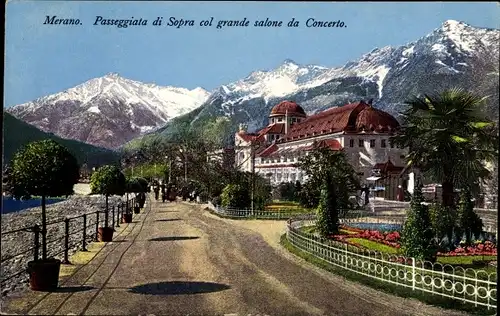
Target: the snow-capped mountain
(455, 54)
(108, 111)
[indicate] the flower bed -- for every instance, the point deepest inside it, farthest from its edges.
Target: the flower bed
(486, 248)
(393, 239)
(387, 238)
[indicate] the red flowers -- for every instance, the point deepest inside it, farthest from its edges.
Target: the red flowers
(388, 238)
(486, 248)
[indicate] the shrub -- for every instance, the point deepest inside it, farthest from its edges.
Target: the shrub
(108, 180)
(43, 168)
(286, 191)
(442, 221)
(235, 195)
(469, 223)
(417, 238)
(327, 223)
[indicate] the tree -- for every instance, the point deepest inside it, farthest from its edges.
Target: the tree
(235, 195)
(469, 223)
(43, 168)
(417, 236)
(449, 139)
(321, 162)
(442, 221)
(327, 222)
(107, 180)
(286, 191)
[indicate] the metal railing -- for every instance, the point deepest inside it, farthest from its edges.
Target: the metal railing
(251, 214)
(477, 287)
(63, 236)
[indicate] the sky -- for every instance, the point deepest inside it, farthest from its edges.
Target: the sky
(43, 59)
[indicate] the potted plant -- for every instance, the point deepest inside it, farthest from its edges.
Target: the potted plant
(134, 186)
(46, 169)
(141, 198)
(107, 180)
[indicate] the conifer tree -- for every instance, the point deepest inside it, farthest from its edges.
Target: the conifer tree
(417, 237)
(327, 222)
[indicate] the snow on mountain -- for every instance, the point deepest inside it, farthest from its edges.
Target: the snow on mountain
(286, 79)
(443, 59)
(117, 105)
(164, 102)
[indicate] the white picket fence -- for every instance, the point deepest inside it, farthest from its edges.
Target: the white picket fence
(467, 285)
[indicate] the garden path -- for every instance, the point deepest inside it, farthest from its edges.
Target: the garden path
(177, 259)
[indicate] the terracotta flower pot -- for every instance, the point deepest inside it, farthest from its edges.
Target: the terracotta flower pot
(137, 209)
(105, 234)
(127, 218)
(44, 274)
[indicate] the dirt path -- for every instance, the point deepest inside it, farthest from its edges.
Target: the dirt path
(180, 260)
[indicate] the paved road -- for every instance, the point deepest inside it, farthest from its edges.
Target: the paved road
(176, 260)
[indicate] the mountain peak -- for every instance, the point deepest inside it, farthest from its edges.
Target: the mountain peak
(112, 75)
(454, 23)
(289, 61)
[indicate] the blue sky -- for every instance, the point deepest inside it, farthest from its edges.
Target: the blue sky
(46, 59)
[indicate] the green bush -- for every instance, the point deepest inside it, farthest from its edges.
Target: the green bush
(328, 221)
(442, 221)
(235, 195)
(309, 195)
(468, 222)
(43, 168)
(417, 237)
(108, 180)
(135, 185)
(287, 191)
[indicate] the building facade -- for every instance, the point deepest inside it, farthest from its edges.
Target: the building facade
(358, 129)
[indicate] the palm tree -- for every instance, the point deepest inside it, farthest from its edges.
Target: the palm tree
(449, 139)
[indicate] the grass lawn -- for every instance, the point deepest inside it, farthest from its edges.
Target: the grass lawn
(373, 245)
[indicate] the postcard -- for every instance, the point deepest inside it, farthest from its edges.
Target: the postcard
(250, 158)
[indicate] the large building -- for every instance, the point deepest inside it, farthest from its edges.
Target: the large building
(359, 129)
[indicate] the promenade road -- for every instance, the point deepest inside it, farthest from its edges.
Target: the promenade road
(177, 259)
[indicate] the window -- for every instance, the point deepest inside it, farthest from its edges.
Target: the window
(351, 142)
(361, 143)
(383, 143)
(280, 120)
(372, 143)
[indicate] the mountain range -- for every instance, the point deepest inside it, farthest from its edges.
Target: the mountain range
(108, 111)
(112, 110)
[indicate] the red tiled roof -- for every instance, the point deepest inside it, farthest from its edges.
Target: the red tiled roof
(333, 144)
(372, 119)
(353, 117)
(276, 128)
(292, 108)
(268, 151)
(387, 167)
(248, 137)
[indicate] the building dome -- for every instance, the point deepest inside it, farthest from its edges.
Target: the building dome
(372, 119)
(292, 108)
